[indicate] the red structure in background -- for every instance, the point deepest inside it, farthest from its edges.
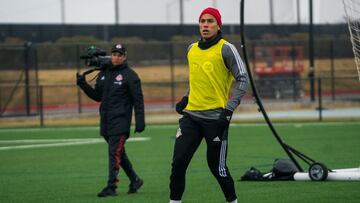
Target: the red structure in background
(278, 69)
(273, 60)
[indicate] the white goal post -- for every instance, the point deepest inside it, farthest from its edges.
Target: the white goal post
(352, 11)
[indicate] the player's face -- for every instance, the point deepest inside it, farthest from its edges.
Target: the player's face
(208, 26)
(117, 58)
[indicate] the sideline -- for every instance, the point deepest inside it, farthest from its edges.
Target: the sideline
(237, 124)
(59, 142)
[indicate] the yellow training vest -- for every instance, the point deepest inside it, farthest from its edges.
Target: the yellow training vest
(209, 79)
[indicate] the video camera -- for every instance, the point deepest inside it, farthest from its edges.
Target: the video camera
(95, 57)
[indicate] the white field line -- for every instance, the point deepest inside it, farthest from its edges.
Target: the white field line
(48, 140)
(47, 129)
(48, 145)
(61, 142)
(295, 124)
(165, 126)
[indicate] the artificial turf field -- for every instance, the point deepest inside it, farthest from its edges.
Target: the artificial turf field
(75, 173)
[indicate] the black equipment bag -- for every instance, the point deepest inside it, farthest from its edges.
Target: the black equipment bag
(283, 169)
(252, 174)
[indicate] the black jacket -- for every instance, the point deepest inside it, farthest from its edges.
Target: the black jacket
(118, 88)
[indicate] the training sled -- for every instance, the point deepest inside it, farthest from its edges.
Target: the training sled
(285, 169)
(289, 169)
(350, 174)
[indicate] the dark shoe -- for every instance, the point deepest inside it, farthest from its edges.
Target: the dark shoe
(135, 186)
(107, 191)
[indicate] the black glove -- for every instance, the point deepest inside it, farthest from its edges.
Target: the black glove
(80, 79)
(224, 119)
(139, 126)
(180, 106)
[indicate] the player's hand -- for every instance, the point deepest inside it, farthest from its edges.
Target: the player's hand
(225, 118)
(80, 79)
(180, 106)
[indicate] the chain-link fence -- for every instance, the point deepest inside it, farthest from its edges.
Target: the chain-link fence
(18, 73)
(40, 78)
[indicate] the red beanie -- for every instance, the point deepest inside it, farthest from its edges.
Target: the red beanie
(214, 12)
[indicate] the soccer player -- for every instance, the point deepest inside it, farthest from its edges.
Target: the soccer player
(118, 88)
(206, 107)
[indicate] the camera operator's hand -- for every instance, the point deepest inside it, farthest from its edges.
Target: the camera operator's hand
(80, 79)
(139, 126)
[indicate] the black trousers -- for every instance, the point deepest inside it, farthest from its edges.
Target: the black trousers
(188, 138)
(117, 159)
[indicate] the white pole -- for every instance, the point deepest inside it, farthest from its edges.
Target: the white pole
(116, 6)
(62, 7)
(332, 176)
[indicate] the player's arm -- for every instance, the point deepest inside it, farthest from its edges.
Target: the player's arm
(237, 68)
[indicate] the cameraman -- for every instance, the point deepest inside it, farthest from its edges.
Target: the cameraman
(118, 88)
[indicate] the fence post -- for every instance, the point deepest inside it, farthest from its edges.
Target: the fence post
(332, 69)
(78, 70)
(41, 106)
(36, 68)
(294, 71)
(311, 53)
(320, 99)
(172, 76)
(27, 46)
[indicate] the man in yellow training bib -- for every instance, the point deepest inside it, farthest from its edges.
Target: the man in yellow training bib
(206, 108)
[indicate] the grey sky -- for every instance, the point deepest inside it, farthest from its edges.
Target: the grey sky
(164, 11)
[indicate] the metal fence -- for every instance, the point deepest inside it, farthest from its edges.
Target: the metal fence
(39, 80)
(67, 56)
(62, 100)
(53, 32)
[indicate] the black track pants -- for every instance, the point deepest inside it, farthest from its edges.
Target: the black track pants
(189, 136)
(117, 158)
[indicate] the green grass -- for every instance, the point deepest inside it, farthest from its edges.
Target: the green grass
(77, 173)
